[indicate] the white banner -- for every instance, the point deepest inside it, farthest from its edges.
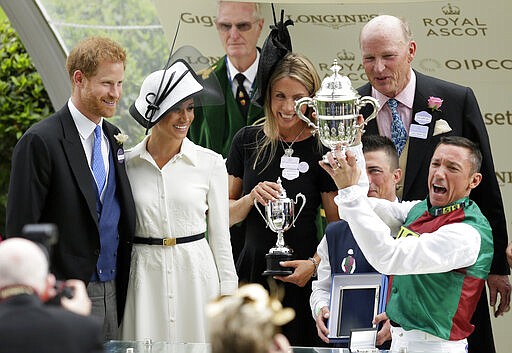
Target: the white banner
(466, 42)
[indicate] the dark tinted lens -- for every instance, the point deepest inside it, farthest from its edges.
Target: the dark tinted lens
(244, 26)
(224, 27)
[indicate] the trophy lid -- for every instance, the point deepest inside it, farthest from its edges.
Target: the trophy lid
(336, 87)
(282, 195)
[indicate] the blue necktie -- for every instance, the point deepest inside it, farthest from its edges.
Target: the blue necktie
(398, 133)
(97, 165)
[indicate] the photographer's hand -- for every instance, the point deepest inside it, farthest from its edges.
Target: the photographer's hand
(80, 302)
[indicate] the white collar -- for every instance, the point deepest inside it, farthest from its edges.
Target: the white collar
(250, 73)
(187, 151)
(83, 124)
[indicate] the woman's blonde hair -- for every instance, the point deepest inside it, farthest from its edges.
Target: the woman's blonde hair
(299, 68)
(247, 321)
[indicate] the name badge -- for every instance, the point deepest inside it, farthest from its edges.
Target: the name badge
(120, 155)
(290, 174)
(423, 118)
(303, 167)
(418, 131)
(289, 162)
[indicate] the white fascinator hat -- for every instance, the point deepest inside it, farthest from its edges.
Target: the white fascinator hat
(162, 91)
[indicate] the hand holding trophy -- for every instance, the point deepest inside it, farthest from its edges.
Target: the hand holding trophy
(279, 217)
(337, 106)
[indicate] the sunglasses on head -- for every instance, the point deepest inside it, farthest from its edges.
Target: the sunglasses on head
(241, 26)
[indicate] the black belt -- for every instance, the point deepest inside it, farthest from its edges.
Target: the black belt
(167, 241)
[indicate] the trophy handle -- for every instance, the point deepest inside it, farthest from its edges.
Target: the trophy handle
(301, 207)
(369, 100)
(298, 105)
(259, 211)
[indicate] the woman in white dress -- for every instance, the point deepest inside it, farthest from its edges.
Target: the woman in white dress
(181, 193)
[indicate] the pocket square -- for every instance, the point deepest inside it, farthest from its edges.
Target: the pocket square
(441, 127)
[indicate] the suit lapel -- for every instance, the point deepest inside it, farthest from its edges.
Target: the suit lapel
(418, 147)
(117, 151)
(77, 161)
(217, 122)
(123, 188)
(254, 115)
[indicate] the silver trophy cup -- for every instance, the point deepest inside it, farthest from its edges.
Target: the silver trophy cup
(279, 217)
(337, 107)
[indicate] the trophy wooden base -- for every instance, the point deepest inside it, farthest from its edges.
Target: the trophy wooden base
(273, 266)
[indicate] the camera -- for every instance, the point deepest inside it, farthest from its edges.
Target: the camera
(63, 291)
(43, 234)
(46, 235)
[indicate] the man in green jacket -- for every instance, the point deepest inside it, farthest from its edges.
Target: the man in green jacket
(239, 26)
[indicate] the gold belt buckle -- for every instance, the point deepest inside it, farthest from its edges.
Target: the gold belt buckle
(169, 241)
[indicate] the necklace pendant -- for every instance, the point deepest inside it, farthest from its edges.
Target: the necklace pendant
(288, 152)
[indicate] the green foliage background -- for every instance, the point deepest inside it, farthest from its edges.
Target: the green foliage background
(23, 101)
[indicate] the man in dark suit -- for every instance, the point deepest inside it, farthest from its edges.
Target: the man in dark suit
(69, 170)
(428, 109)
(28, 325)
